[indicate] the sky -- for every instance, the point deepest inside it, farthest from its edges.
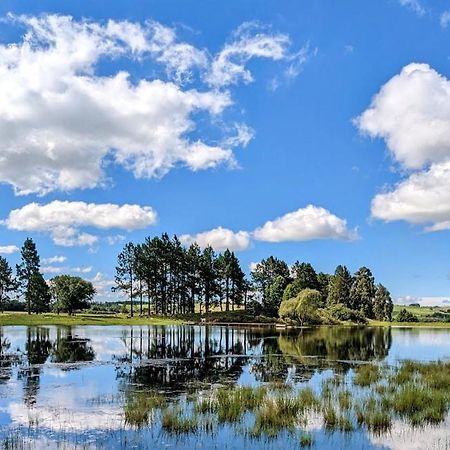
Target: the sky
(315, 131)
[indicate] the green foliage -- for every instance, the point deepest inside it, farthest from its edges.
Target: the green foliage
(362, 292)
(405, 316)
(7, 282)
(342, 313)
(339, 288)
(302, 309)
(382, 304)
(305, 277)
(71, 293)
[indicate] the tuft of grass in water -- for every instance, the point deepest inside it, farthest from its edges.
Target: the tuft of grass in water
(306, 440)
(330, 418)
(173, 422)
(275, 415)
(367, 374)
(280, 385)
(419, 404)
(307, 399)
(377, 420)
(345, 399)
(139, 405)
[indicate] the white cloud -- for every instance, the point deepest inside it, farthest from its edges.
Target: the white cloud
(307, 223)
(423, 301)
(250, 41)
(411, 112)
(444, 19)
(54, 259)
(112, 240)
(60, 269)
(58, 114)
(103, 285)
(414, 5)
(63, 219)
(219, 238)
(8, 249)
(423, 198)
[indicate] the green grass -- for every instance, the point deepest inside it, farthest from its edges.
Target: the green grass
(366, 374)
(306, 440)
(139, 406)
(20, 318)
(173, 422)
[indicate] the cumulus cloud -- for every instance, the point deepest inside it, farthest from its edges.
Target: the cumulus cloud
(219, 238)
(58, 114)
(63, 219)
(8, 249)
(307, 223)
(411, 112)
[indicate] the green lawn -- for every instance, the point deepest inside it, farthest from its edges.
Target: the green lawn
(19, 318)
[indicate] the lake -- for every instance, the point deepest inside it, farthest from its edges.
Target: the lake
(89, 387)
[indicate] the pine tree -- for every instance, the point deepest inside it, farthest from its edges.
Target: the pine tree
(339, 287)
(304, 276)
(382, 304)
(7, 282)
(27, 270)
(125, 272)
(362, 292)
(39, 293)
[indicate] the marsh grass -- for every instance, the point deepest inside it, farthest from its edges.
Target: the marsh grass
(173, 421)
(345, 399)
(307, 399)
(366, 375)
(139, 406)
(306, 440)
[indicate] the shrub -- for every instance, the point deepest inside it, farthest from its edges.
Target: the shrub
(405, 316)
(341, 312)
(302, 309)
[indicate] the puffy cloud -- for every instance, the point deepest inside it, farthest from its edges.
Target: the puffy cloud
(411, 112)
(8, 249)
(307, 223)
(250, 41)
(423, 198)
(63, 219)
(54, 259)
(414, 5)
(219, 238)
(58, 114)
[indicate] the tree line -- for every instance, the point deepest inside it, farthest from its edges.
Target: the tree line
(63, 293)
(161, 276)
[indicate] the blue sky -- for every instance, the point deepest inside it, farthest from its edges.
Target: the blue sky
(314, 131)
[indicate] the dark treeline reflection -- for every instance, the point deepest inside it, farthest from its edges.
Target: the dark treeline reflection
(175, 358)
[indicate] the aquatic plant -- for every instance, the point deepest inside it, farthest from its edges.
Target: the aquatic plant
(366, 374)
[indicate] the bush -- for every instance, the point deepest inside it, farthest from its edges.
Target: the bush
(405, 316)
(341, 312)
(302, 309)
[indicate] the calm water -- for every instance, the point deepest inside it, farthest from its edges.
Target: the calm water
(67, 387)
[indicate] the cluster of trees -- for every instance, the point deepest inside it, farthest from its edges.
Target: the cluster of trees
(276, 282)
(171, 279)
(63, 293)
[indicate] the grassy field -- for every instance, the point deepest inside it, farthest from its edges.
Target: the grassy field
(19, 318)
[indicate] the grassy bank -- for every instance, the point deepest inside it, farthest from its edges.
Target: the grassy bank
(20, 318)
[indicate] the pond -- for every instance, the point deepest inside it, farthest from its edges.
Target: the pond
(127, 387)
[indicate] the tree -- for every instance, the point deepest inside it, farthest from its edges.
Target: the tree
(71, 293)
(305, 277)
(362, 292)
(7, 282)
(405, 316)
(39, 293)
(323, 280)
(302, 309)
(125, 272)
(209, 276)
(29, 276)
(340, 285)
(382, 304)
(264, 275)
(274, 296)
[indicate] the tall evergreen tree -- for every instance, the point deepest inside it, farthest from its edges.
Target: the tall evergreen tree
(339, 287)
(304, 276)
(362, 292)
(125, 272)
(7, 282)
(39, 293)
(27, 271)
(382, 304)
